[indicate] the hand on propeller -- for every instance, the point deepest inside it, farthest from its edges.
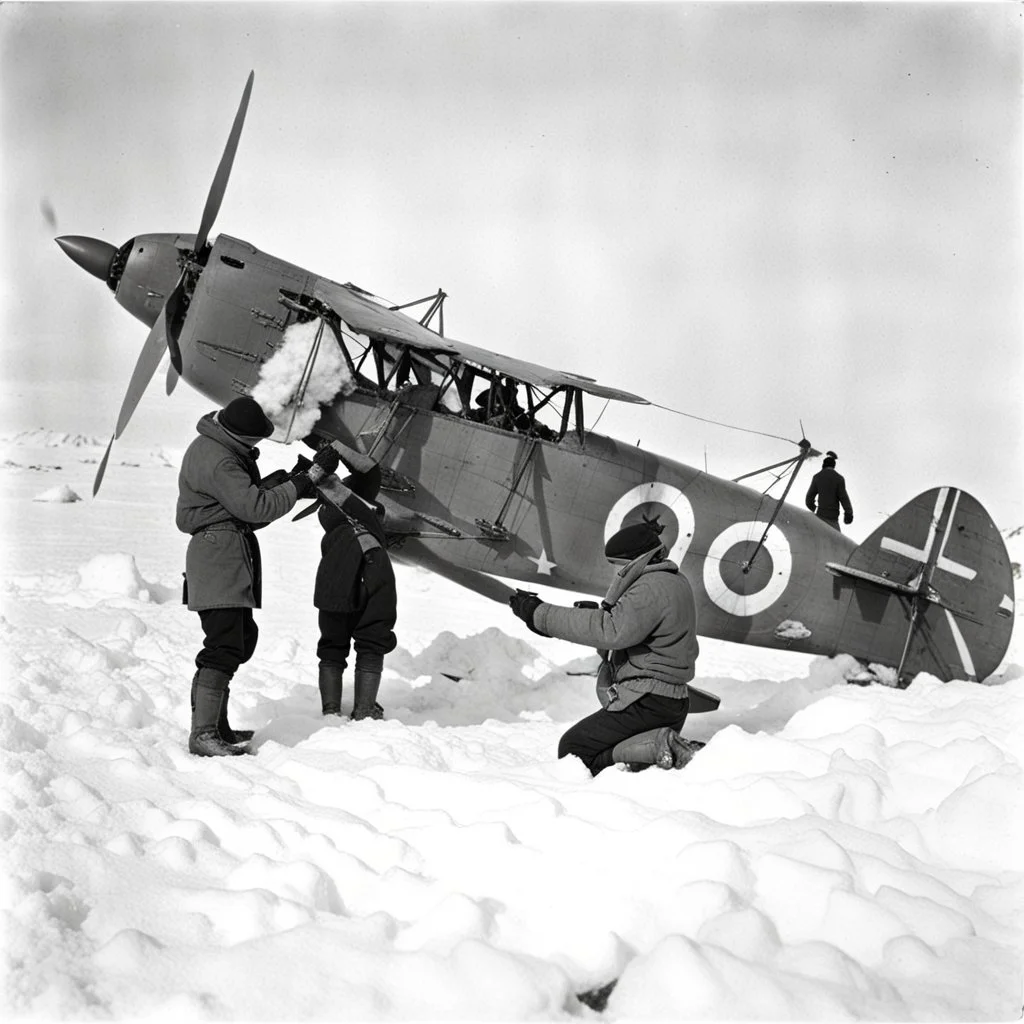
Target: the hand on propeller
(304, 486)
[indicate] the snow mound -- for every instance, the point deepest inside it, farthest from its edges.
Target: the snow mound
(116, 575)
(61, 495)
(491, 654)
(790, 629)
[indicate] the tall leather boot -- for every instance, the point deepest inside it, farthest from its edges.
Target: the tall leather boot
(224, 731)
(210, 687)
(330, 681)
(366, 686)
(663, 747)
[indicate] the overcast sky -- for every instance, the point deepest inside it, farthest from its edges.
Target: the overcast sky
(765, 214)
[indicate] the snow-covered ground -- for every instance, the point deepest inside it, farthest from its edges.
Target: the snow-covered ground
(835, 851)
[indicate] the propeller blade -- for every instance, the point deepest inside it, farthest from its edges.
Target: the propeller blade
(172, 317)
(103, 468)
(308, 510)
(175, 309)
(149, 359)
(172, 379)
(220, 179)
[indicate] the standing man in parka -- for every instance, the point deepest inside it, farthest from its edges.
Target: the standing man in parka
(828, 492)
(646, 631)
(355, 594)
(220, 504)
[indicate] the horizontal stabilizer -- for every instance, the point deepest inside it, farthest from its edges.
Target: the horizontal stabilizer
(931, 588)
(870, 577)
(701, 701)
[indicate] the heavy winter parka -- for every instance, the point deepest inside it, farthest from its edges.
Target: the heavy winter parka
(220, 503)
(648, 623)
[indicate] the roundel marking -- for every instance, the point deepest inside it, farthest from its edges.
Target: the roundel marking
(664, 494)
(723, 592)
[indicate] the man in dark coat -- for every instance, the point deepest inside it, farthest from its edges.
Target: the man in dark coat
(646, 631)
(220, 504)
(355, 593)
(828, 492)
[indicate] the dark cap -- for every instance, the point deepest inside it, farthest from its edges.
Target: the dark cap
(632, 541)
(244, 416)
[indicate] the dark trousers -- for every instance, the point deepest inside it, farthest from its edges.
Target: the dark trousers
(834, 523)
(371, 627)
(230, 636)
(593, 738)
(339, 631)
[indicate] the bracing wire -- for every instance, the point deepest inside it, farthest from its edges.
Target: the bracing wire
(719, 423)
(607, 402)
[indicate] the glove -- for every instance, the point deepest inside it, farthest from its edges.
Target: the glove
(327, 459)
(524, 604)
(275, 479)
(303, 485)
(848, 518)
(301, 465)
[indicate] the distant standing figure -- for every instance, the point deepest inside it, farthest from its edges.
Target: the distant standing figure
(355, 593)
(220, 503)
(828, 492)
(646, 632)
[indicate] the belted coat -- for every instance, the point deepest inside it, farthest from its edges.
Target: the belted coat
(220, 503)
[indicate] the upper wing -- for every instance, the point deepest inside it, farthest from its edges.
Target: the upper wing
(367, 316)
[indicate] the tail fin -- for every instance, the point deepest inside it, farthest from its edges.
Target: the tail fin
(932, 590)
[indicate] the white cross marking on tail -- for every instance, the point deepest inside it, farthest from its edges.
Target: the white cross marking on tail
(961, 646)
(945, 563)
(922, 554)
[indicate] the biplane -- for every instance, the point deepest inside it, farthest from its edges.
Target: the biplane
(493, 470)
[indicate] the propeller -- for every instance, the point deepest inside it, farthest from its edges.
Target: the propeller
(163, 335)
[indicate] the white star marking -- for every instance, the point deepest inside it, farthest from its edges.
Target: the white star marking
(544, 567)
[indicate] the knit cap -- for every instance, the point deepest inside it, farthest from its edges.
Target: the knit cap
(244, 416)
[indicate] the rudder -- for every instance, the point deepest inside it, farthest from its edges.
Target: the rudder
(932, 590)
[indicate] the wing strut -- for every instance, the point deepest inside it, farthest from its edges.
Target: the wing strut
(497, 530)
(436, 306)
(806, 452)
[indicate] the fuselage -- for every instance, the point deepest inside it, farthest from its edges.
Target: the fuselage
(757, 569)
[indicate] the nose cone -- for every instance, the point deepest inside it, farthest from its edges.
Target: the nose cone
(89, 253)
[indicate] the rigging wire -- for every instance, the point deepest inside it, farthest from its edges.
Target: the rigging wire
(718, 423)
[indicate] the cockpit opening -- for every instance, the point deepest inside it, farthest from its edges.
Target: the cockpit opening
(446, 382)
